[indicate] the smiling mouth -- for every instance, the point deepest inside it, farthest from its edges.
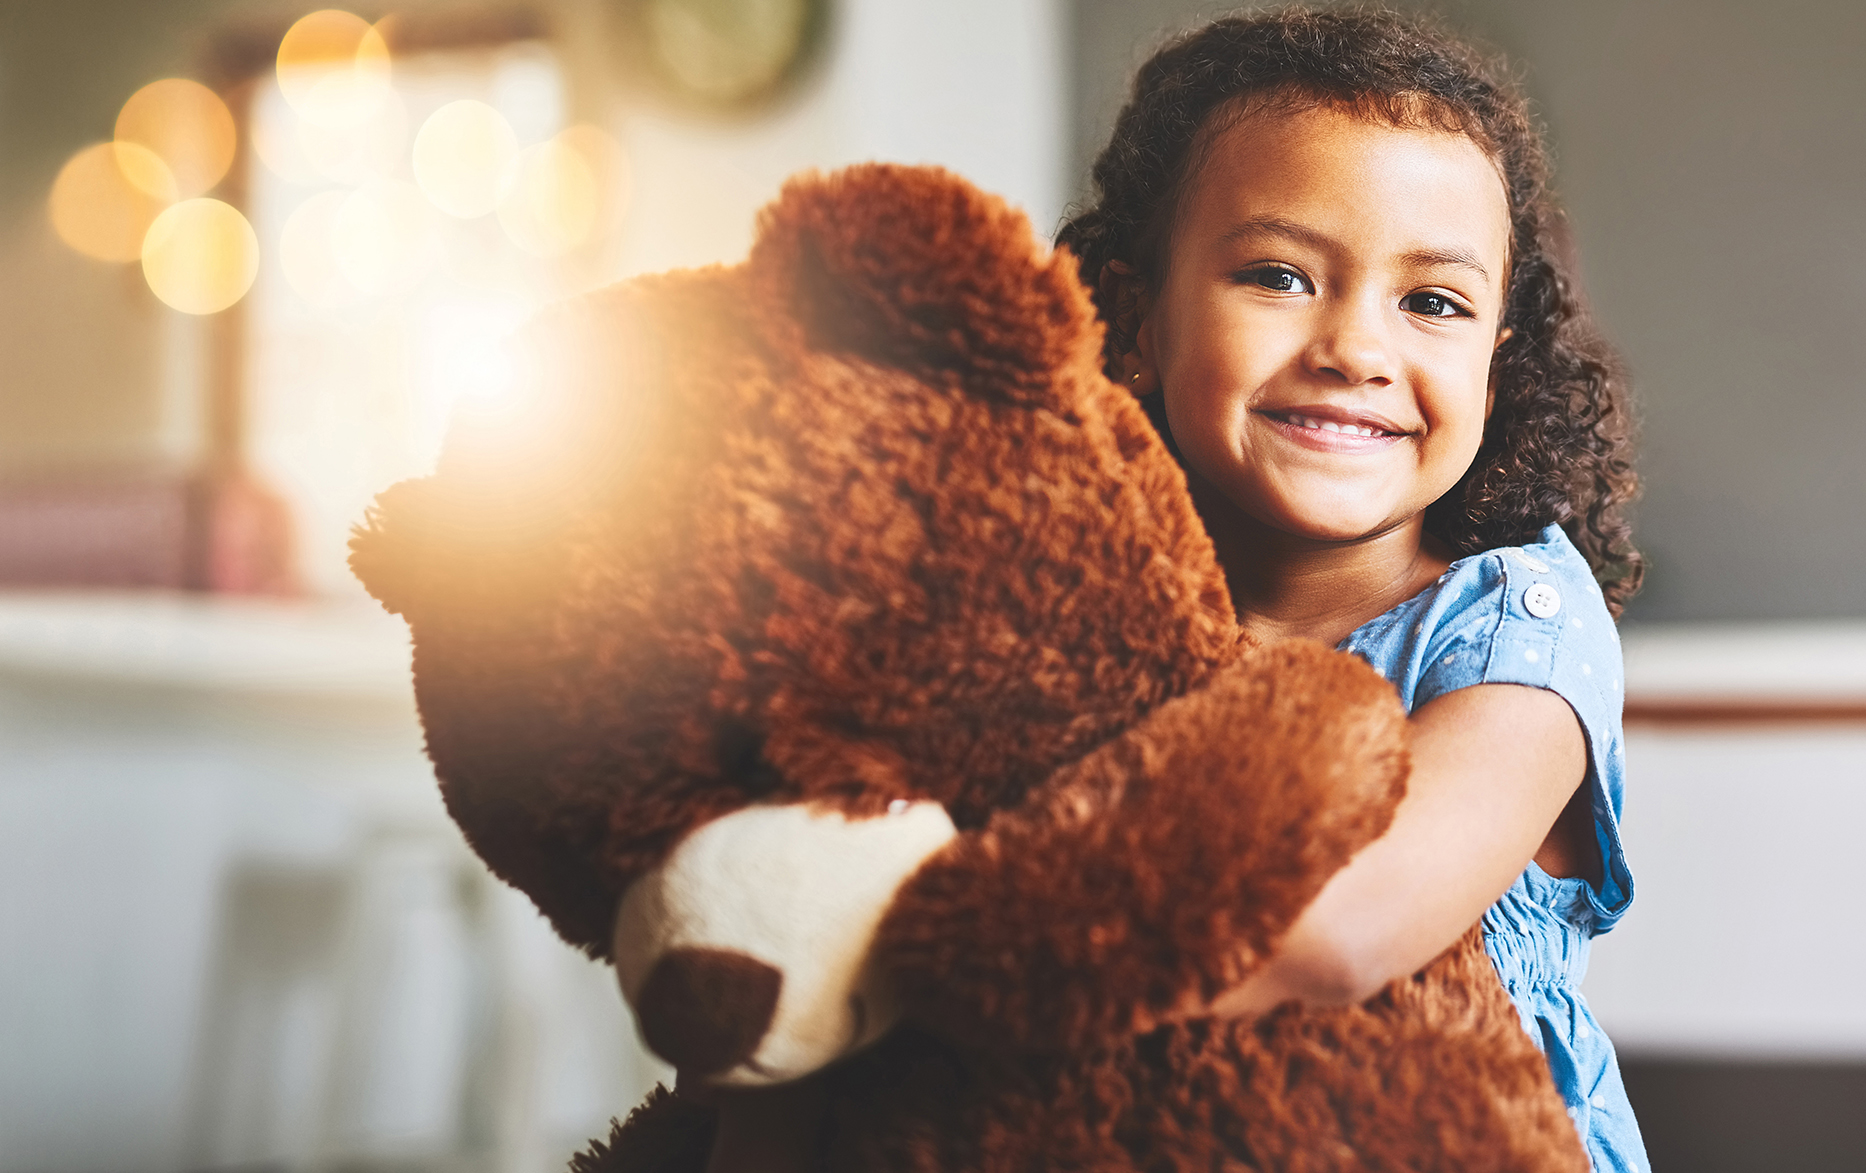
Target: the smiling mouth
(1310, 423)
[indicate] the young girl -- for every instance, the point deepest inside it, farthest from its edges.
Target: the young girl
(1324, 250)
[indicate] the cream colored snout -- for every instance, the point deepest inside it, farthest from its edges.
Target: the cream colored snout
(747, 955)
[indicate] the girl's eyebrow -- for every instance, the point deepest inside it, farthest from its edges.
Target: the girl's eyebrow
(1302, 234)
(1426, 258)
(1275, 226)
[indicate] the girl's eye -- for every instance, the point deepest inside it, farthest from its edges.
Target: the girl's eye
(1433, 305)
(1276, 279)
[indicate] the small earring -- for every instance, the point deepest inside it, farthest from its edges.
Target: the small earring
(1134, 378)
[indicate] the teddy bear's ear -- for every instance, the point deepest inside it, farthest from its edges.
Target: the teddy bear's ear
(916, 268)
(425, 544)
(412, 546)
(517, 472)
(381, 562)
(478, 532)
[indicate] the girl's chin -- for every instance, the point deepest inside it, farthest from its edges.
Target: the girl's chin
(1300, 507)
(1334, 529)
(1323, 513)
(1338, 536)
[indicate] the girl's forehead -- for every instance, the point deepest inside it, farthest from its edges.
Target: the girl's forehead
(1335, 171)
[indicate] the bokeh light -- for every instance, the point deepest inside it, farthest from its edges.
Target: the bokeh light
(609, 165)
(187, 126)
(465, 347)
(106, 197)
(480, 258)
(384, 238)
(275, 136)
(352, 154)
(200, 256)
(462, 155)
(553, 202)
(333, 68)
(308, 252)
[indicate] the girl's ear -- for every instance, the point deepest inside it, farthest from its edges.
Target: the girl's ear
(1124, 294)
(1490, 388)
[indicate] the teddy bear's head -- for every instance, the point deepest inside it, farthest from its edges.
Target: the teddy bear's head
(824, 556)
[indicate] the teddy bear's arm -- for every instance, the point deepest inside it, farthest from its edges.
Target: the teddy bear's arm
(1161, 869)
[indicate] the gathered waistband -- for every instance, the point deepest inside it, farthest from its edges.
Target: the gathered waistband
(1530, 940)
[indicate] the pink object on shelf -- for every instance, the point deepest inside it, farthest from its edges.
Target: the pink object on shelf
(222, 533)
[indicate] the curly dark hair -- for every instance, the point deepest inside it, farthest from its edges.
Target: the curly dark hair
(1557, 448)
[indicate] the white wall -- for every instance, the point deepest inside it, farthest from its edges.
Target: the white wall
(1745, 939)
(342, 405)
(973, 85)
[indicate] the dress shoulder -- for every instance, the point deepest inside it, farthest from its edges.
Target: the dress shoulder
(1530, 615)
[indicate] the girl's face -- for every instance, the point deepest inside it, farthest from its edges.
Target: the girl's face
(1324, 328)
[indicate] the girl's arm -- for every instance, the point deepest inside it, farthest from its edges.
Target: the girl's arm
(1494, 766)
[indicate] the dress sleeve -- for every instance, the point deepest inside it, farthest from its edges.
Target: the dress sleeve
(1534, 615)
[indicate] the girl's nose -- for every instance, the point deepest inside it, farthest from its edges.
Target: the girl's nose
(1351, 345)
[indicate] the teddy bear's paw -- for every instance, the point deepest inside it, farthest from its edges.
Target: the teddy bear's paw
(915, 267)
(748, 954)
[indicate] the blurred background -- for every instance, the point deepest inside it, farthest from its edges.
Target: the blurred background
(253, 255)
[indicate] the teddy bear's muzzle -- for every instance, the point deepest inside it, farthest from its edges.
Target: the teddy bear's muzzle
(747, 955)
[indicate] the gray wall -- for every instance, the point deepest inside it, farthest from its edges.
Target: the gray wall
(1712, 155)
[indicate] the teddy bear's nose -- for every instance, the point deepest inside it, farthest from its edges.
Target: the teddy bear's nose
(705, 1010)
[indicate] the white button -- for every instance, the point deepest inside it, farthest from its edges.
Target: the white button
(1542, 600)
(1531, 655)
(1587, 669)
(1531, 563)
(1581, 1031)
(1599, 1101)
(1575, 622)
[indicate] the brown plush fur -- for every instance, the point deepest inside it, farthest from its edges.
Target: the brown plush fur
(861, 520)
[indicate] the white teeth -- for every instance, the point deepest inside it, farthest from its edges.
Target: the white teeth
(1303, 421)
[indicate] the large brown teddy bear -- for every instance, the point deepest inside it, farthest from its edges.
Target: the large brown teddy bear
(833, 648)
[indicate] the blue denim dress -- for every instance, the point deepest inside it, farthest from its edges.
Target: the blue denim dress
(1533, 615)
